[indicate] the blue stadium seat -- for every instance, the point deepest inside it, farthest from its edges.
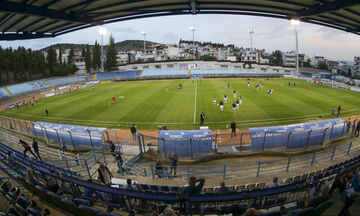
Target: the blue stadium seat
(164, 188)
(86, 210)
(12, 212)
(33, 212)
(174, 189)
(323, 207)
(22, 204)
(303, 212)
(273, 213)
(78, 202)
(67, 205)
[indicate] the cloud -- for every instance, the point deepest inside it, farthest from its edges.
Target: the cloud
(170, 36)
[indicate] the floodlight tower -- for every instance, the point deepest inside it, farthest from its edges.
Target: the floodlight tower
(193, 29)
(144, 34)
(102, 32)
(295, 23)
(251, 32)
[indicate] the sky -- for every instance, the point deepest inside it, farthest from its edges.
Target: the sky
(270, 34)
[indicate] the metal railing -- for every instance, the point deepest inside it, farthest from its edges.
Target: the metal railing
(255, 168)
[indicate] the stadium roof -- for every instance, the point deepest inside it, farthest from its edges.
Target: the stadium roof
(26, 19)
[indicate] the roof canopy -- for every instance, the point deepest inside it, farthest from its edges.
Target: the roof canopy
(26, 19)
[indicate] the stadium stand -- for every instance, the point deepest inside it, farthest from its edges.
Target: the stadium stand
(27, 87)
(148, 73)
(59, 81)
(251, 196)
(124, 74)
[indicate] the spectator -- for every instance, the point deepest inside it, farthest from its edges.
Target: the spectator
(173, 163)
(192, 189)
(91, 194)
(11, 160)
(316, 197)
(51, 184)
(163, 210)
(357, 131)
(222, 189)
(233, 128)
(119, 160)
(104, 174)
(348, 125)
(131, 186)
(112, 147)
(36, 148)
(133, 131)
(26, 148)
(353, 194)
(63, 144)
(159, 169)
(340, 182)
(275, 183)
(30, 175)
(253, 212)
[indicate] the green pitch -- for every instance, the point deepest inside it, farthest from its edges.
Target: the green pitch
(151, 103)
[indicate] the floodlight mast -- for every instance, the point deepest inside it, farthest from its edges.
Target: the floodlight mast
(144, 34)
(251, 32)
(102, 32)
(193, 29)
(295, 23)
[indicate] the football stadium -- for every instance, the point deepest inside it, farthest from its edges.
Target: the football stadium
(188, 136)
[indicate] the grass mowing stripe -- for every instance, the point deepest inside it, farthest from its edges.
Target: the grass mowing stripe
(195, 102)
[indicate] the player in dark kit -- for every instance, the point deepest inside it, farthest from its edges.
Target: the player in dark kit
(202, 118)
(47, 112)
(234, 106)
(233, 128)
(339, 109)
(221, 105)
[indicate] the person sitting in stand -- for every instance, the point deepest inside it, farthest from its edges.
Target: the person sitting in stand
(159, 169)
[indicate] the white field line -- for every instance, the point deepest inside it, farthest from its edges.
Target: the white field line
(195, 102)
(247, 122)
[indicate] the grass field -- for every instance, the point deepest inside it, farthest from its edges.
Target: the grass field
(152, 103)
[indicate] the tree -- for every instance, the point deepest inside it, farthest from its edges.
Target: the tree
(276, 57)
(307, 63)
(88, 59)
(208, 58)
(322, 66)
(110, 54)
(60, 56)
(71, 55)
(96, 56)
(51, 60)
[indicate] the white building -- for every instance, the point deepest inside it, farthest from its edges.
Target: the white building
(316, 60)
(289, 58)
(357, 66)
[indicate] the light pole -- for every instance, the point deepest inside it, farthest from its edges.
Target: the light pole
(251, 32)
(193, 29)
(102, 32)
(144, 34)
(295, 23)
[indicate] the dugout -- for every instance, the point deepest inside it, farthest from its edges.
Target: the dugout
(78, 137)
(185, 143)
